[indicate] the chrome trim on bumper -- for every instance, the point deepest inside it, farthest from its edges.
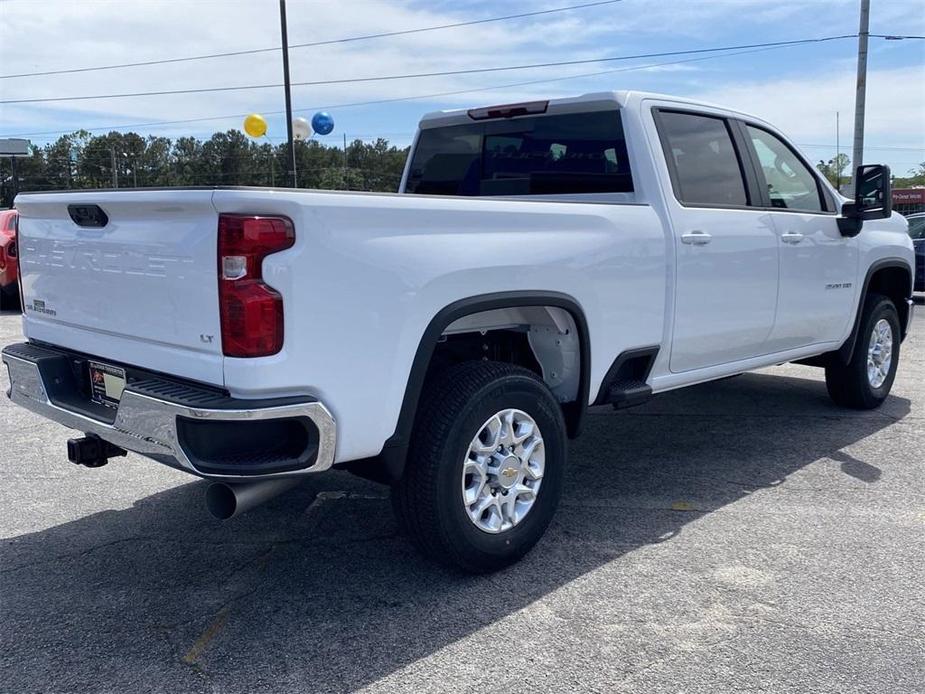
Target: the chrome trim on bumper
(147, 425)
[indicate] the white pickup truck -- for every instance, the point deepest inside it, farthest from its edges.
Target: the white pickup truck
(540, 258)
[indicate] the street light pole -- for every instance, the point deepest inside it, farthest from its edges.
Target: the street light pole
(860, 96)
(285, 37)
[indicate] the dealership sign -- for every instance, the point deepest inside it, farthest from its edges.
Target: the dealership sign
(909, 196)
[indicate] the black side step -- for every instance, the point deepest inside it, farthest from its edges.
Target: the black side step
(629, 394)
(625, 383)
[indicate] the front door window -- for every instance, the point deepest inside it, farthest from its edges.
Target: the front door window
(790, 183)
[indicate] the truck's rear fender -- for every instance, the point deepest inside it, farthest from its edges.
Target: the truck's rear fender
(476, 306)
(391, 461)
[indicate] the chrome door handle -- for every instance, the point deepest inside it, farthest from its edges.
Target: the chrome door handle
(696, 238)
(791, 237)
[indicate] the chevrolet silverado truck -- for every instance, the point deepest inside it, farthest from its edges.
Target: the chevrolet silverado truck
(539, 259)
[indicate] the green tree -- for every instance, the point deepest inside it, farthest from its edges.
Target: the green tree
(154, 162)
(834, 169)
(30, 174)
(916, 178)
(82, 160)
(104, 161)
(379, 163)
(188, 167)
(338, 178)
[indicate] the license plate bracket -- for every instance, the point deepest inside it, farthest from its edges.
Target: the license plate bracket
(106, 383)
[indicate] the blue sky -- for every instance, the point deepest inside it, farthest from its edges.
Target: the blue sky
(798, 88)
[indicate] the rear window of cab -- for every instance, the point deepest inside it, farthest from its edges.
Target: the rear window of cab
(542, 155)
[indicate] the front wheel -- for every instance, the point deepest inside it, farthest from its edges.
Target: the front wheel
(485, 465)
(865, 381)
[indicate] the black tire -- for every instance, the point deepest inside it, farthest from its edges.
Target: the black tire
(428, 498)
(848, 384)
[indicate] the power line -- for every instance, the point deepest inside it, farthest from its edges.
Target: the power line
(313, 44)
(895, 37)
(885, 149)
(444, 73)
(416, 97)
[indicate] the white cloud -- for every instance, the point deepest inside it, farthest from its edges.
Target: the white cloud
(68, 34)
(50, 34)
(805, 109)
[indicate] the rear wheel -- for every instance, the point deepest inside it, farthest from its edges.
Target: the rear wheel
(484, 470)
(865, 381)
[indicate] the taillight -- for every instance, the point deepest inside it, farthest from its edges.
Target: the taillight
(251, 310)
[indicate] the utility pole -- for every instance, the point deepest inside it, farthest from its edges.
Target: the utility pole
(837, 152)
(115, 170)
(345, 159)
(14, 176)
(285, 36)
(861, 94)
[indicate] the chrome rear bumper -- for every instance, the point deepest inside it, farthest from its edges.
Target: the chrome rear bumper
(148, 425)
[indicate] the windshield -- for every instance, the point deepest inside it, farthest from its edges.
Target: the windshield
(542, 155)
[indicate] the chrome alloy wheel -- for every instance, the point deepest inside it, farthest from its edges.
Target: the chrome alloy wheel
(503, 471)
(879, 353)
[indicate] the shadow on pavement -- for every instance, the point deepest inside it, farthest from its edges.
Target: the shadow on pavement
(315, 591)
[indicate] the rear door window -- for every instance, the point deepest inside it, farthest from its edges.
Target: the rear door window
(542, 155)
(702, 158)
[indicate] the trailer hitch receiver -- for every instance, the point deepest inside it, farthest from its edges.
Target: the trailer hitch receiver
(92, 451)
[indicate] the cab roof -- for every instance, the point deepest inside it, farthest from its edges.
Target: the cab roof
(593, 101)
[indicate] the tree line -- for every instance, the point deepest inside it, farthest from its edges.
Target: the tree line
(125, 160)
(838, 171)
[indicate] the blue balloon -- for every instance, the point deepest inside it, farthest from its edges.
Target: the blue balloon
(322, 123)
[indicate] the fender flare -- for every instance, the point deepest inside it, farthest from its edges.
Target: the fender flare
(846, 351)
(395, 448)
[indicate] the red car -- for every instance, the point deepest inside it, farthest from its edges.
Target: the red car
(9, 269)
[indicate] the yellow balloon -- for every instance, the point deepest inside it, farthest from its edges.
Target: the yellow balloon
(255, 125)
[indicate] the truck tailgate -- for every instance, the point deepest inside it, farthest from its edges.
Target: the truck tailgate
(140, 289)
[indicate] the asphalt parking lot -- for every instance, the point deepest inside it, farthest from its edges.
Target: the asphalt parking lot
(743, 535)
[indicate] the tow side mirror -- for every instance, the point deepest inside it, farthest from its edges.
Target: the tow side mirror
(873, 198)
